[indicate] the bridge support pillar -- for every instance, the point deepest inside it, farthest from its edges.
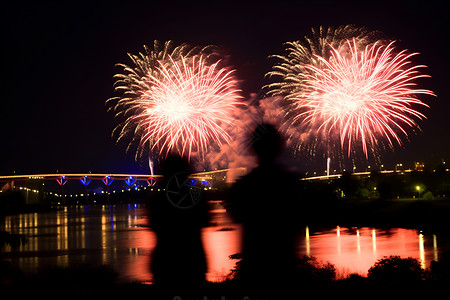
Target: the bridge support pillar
(62, 180)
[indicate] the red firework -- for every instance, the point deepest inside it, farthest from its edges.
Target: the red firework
(347, 92)
(175, 99)
(363, 95)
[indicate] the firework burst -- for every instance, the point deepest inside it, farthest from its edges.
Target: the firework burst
(175, 99)
(348, 92)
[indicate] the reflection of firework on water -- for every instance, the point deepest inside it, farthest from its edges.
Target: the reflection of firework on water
(174, 99)
(347, 93)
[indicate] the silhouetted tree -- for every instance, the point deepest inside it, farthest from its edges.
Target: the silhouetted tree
(395, 268)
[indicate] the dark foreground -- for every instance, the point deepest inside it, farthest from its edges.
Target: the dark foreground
(390, 277)
(350, 289)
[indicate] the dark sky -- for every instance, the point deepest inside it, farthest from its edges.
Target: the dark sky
(58, 65)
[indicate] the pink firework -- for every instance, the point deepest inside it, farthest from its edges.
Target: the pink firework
(187, 106)
(363, 95)
(348, 92)
(177, 101)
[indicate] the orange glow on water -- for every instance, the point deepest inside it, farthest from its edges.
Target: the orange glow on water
(219, 245)
(355, 250)
(139, 256)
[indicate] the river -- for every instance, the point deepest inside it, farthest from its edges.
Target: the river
(119, 236)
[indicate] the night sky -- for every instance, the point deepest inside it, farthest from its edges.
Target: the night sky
(58, 65)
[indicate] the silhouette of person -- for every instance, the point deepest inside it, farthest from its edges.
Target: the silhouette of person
(177, 215)
(266, 203)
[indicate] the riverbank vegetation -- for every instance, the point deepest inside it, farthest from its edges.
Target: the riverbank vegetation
(412, 200)
(387, 275)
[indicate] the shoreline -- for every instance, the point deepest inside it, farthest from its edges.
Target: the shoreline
(420, 214)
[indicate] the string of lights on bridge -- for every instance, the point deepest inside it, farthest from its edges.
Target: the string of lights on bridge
(136, 188)
(130, 180)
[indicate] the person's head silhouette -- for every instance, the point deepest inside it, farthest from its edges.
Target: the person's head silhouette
(173, 164)
(266, 142)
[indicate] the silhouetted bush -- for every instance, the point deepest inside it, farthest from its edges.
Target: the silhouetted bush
(428, 196)
(235, 272)
(355, 277)
(440, 270)
(309, 268)
(395, 268)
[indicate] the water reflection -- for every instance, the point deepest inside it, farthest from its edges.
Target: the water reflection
(120, 237)
(220, 242)
(354, 250)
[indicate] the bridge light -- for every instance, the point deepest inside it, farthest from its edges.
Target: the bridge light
(61, 180)
(107, 180)
(130, 180)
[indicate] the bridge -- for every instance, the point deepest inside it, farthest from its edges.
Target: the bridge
(207, 180)
(151, 179)
(335, 176)
(86, 178)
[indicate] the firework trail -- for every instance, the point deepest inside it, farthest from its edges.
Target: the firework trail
(174, 99)
(347, 92)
